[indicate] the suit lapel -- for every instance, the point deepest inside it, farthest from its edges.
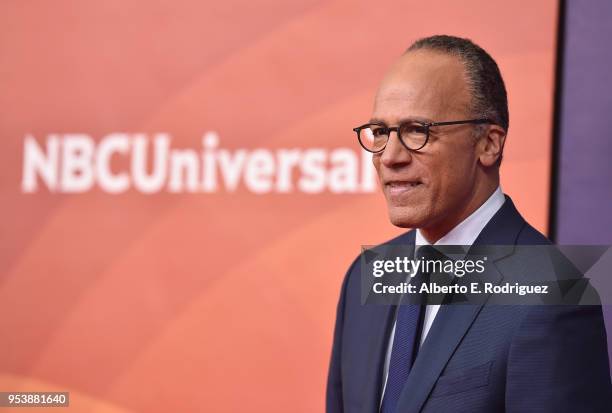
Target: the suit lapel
(450, 325)
(380, 322)
(453, 321)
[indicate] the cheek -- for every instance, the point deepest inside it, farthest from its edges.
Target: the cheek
(451, 175)
(376, 163)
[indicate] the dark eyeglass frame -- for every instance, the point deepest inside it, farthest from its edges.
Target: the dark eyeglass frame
(425, 125)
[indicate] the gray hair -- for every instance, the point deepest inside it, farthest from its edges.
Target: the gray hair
(489, 98)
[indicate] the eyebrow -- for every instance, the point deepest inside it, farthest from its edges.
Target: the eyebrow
(403, 120)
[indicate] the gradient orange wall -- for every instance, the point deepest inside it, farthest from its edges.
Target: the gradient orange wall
(223, 301)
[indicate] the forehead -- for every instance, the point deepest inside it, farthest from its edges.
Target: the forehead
(423, 85)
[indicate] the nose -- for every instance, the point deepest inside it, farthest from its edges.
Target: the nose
(395, 154)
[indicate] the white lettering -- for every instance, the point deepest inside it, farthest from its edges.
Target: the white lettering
(74, 163)
(36, 162)
(154, 182)
(259, 170)
(109, 182)
(77, 155)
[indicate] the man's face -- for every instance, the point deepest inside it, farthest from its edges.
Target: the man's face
(427, 188)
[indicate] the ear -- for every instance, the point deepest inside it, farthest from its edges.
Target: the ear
(491, 145)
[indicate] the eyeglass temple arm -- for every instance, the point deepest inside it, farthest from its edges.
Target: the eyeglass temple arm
(459, 122)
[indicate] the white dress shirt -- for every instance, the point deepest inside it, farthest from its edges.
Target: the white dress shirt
(465, 233)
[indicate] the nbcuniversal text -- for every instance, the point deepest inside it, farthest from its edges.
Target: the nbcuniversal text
(119, 162)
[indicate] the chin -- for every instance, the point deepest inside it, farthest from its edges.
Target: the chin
(406, 218)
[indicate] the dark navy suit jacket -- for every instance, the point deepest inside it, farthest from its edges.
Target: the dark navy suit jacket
(476, 358)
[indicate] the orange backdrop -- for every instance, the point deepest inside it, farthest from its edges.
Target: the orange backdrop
(214, 301)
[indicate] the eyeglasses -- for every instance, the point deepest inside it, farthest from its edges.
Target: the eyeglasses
(413, 134)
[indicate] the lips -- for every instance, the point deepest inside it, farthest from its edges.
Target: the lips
(400, 187)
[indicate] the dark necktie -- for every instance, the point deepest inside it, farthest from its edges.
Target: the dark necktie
(408, 326)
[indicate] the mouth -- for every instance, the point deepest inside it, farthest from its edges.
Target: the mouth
(398, 187)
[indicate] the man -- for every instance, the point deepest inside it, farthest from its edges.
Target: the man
(437, 135)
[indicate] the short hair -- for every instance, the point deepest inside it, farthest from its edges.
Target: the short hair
(489, 98)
